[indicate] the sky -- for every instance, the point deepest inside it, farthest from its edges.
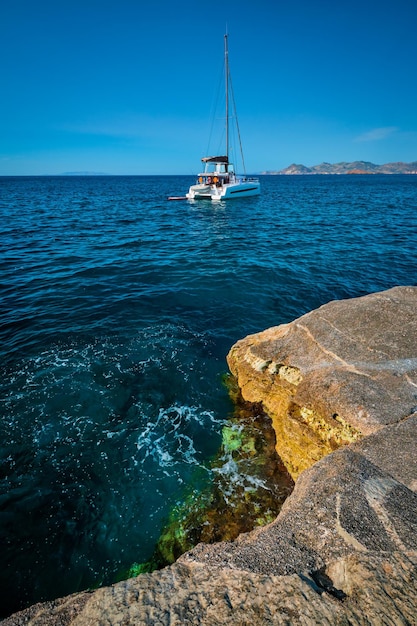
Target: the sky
(127, 86)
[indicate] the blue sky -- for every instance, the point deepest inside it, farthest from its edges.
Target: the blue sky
(127, 86)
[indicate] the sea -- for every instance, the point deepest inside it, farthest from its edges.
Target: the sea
(118, 308)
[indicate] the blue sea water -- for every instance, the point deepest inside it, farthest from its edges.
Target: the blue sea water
(118, 308)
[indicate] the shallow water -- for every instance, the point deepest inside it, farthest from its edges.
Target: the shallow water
(117, 311)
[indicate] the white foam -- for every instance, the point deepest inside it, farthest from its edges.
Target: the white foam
(169, 440)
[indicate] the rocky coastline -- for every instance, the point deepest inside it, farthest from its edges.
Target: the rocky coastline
(345, 167)
(340, 386)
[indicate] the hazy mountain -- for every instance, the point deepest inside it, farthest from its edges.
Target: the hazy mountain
(354, 167)
(84, 174)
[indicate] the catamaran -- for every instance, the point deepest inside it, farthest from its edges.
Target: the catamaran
(219, 180)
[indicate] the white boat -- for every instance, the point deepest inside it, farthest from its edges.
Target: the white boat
(219, 181)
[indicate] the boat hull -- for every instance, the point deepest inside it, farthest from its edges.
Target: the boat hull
(240, 189)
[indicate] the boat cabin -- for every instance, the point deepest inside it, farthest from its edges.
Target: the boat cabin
(217, 170)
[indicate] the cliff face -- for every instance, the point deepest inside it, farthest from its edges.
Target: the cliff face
(334, 375)
(343, 548)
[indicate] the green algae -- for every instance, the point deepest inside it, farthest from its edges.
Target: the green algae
(248, 486)
(235, 438)
(141, 568)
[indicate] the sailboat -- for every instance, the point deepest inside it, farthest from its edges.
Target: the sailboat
(219, 180)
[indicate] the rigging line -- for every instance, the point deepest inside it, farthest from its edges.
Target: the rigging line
(215, 106)
(237, 125)
(227, 77)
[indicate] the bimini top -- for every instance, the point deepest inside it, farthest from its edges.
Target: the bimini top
(215, 159)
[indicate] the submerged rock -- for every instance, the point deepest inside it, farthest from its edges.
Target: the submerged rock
(249, 486)
(340, 385)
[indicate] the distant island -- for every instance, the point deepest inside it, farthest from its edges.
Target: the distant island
(84, 174)
(355, 167)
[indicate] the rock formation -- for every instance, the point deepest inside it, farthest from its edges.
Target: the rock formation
(334, 375)
(340, 385)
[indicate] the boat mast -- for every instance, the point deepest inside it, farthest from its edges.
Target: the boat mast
(226, 69)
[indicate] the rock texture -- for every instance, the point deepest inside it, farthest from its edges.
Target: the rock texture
(343, 550)
(334, 375)
(188, 595)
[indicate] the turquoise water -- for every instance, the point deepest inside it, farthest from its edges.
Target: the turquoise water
(117, 311)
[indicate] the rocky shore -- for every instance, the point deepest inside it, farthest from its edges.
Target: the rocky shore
(340, 385)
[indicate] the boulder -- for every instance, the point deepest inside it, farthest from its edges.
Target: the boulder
(340, 385)
(334, 375)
